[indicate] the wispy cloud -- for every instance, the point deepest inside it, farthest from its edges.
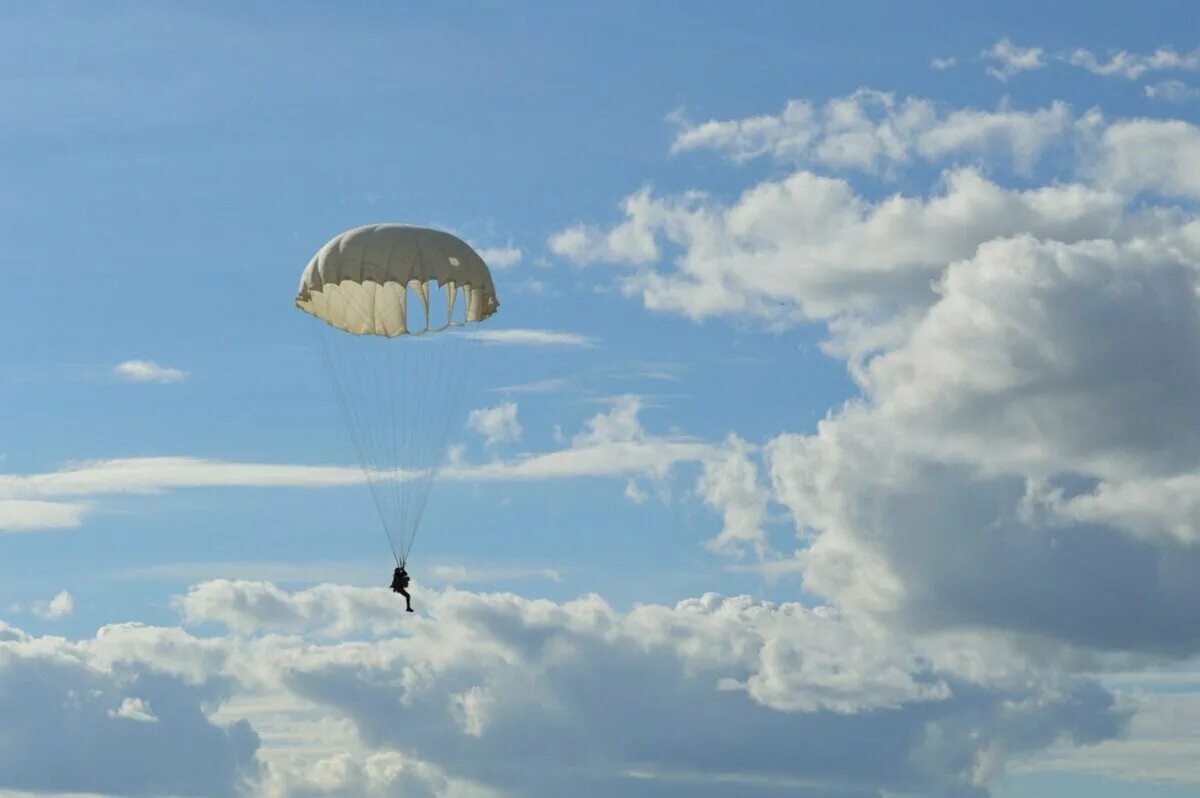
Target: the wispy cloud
(500, 257)
(1133, 65)
(135, 709)
(612, 443)
(651, 374)
(60, 606)
(23, 515)
(634, 493)
(153, 474)
(867, 130)
(526, 337)
(942, 63)
(496, 424)
(463, 574)
(325, 572)
(1173, 91)
(148, 371)
(1011, 59)
(348, 573)
(536, 386)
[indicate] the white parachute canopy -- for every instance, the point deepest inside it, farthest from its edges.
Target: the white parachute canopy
(380, 289)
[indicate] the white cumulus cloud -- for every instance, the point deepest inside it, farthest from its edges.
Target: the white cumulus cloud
(485, 672)
(148, 371)
(497, 424)
(60, 606)
(134, 709)
(730, 484)
(500, 257)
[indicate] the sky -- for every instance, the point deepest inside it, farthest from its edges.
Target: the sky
(837, 434)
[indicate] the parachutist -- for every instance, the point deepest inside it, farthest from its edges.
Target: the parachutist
(400, 585)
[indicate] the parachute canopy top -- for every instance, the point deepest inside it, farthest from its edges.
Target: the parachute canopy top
(360, 281)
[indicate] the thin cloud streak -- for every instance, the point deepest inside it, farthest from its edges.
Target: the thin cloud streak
(525, 337)
(536, 386)
(23, 504)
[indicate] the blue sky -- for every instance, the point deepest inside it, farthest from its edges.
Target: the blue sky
(965, 240)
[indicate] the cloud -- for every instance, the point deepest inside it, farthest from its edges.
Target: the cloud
(274, 571)
(598, 453)
(517, 337)
(997, 471)
(463, 574)
(610, 443)
(619, 425)
(134, 709)
(806, 247)
(633, 242)
(497, 424)
(786, 136)
(1025, 134)
(152, 474)
(978, 396)
(1138, 155)
(1161, 746)
(74, 723)
(1021, 453)
(60, 606)
(1134, 65)
(500, 257)
(148, 371)
(330, 692)
(22, 515)
(730, 484)
(550, 385)
(1163, 510)
(1012, 59)
(634, 492)
(653, 456)
(533, 287)
(1172, 91)
(248, 606)
(868, 130)
(730, 692)
(942, 64)
(365, 775)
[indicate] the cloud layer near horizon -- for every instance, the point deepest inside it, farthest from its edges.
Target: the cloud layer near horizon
(497, 692)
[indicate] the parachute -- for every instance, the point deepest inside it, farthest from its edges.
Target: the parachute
(380, 290)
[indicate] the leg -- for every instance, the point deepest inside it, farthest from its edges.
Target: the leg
(407, 599)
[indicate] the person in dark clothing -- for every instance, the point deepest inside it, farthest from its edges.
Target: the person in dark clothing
(400, 585)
